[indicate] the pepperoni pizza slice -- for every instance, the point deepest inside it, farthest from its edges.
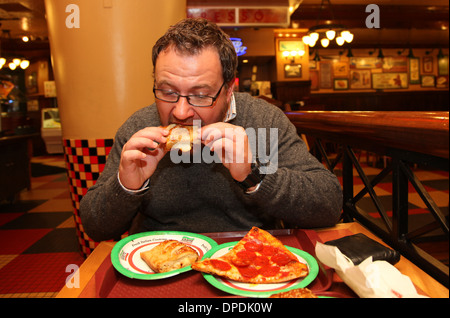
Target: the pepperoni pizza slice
(257, 258)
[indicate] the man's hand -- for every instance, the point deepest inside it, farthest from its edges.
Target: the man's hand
(141, 155)
(231, 144)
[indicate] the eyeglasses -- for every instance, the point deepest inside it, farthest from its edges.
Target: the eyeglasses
(169, 96)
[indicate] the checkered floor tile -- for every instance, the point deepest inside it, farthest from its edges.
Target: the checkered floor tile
(36, 273)
(38, 238)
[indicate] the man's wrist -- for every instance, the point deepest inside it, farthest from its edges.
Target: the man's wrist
(253, 181)
(144, 187)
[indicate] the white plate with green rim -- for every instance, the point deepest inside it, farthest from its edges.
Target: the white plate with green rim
(126, 259)
(261, 290)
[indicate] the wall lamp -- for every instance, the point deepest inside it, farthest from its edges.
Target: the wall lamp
(292, 55)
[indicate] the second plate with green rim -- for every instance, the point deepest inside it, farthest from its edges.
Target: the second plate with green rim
(260, 290)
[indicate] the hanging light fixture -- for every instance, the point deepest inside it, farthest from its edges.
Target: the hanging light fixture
(24, 64)
(340, 40)
(330, 34)
(325, 42)
(324, 33)
(13, 63)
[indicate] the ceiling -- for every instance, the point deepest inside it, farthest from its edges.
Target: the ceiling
(403, 22)
(403, 14)
(19, 18)
(23, 17)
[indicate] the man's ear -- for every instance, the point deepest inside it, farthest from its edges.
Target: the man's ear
(230, 88)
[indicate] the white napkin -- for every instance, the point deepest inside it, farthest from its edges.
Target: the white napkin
(369, 279)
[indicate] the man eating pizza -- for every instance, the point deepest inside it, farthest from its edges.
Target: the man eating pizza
(142, 189)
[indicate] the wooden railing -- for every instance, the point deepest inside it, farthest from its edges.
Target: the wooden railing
(405, 139)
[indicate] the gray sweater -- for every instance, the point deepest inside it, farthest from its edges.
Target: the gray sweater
(203, 197)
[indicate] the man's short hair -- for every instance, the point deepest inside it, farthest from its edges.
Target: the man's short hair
(191, 36)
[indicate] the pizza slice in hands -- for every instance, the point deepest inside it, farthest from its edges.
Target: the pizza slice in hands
(257, 258)
(181, 137)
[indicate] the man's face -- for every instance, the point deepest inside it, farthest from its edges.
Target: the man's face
(199, 74)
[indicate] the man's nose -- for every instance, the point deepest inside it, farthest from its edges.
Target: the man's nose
(182, 109)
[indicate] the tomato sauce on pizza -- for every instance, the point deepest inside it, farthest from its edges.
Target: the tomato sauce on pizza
(257, 258)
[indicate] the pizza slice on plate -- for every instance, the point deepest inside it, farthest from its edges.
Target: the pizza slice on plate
(257, 258)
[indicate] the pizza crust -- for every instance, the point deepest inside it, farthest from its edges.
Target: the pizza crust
(169, 255)
(295, 293)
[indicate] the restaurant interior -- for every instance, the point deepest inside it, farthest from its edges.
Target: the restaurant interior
(369, 96)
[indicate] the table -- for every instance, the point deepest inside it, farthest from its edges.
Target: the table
(92, 272)
(417, 137)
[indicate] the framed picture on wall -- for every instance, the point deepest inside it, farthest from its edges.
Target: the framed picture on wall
(414, 74)
(427, 81)
(366, 62)
(389, 80)
(360, 79)
(325, 75)
(340, 69)
(442, 81)
(396, 64)
(443, 65)
(290, 45)
(427, 64)
(32, 83)
(340, 84)
(292, 70)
